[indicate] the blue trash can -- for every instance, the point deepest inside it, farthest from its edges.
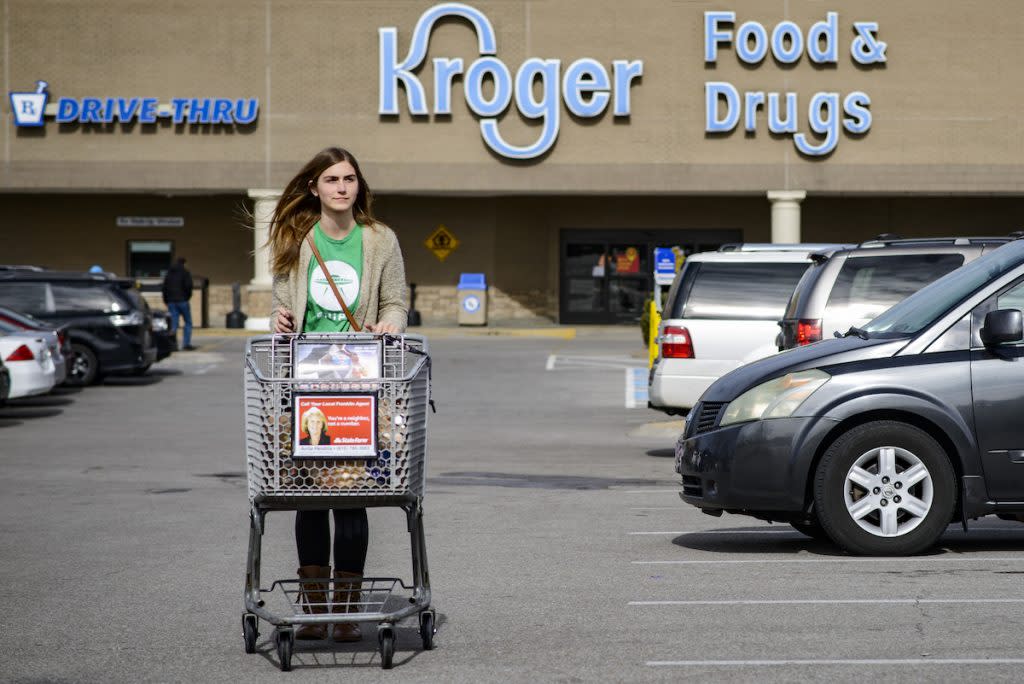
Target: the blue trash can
(472, 299)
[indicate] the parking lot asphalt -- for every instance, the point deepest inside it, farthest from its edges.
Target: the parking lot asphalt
(559, 549)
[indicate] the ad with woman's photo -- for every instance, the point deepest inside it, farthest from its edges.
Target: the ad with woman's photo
(335, 426)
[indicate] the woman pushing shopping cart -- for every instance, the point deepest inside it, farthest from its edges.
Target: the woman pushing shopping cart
(335, 413)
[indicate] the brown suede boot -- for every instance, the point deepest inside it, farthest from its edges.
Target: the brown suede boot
(313, 596)
(346, 596)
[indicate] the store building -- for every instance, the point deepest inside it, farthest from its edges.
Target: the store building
(557, 142)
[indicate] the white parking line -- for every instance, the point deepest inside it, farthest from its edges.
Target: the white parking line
(894, 661)
(818, 602)
(889, 559)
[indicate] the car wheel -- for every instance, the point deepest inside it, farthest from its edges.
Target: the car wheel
(885, 489)
(84, 366)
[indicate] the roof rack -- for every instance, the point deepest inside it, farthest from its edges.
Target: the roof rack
(883, 241)
(780, 246)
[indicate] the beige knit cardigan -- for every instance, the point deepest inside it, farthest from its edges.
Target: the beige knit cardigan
(381, 292)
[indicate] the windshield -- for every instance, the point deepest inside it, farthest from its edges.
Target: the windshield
(926, 305)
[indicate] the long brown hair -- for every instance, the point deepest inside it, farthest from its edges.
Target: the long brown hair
(298, 210)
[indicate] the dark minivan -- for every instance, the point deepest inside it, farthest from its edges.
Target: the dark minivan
(109, 332)
(880, 439)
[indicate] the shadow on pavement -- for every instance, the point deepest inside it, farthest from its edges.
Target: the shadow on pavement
(19, 413)
(515, 480)
(165, 371)
(662, 453)
(313, 655)
(64, 390)
(42, 400)
(132, 380)
(5, 422)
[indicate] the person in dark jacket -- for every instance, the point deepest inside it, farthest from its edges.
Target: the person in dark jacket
(177, 291)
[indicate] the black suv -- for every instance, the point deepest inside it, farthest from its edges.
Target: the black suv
(109, 331)
(846, 288)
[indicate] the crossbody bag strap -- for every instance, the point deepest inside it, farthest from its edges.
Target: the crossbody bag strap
(320, 260)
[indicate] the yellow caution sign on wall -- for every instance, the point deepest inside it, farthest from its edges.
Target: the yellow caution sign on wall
(441, 242)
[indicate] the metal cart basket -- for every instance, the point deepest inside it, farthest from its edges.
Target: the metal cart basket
(282, 477)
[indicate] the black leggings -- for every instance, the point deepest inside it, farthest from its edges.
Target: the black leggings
(351, 537)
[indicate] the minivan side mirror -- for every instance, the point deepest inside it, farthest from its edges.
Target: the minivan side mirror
(1002, 326)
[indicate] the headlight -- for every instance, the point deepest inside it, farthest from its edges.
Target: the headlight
(777, 398)
(134, 318)
(159, 323)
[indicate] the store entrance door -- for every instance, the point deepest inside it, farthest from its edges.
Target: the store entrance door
(606, 274)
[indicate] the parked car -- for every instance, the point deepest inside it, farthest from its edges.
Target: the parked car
(722, 311)
(849, 287)
(882, 438)
(53, 346)
(62, 355)
(160, 324)
(27, 356)
(109, 332)
(5, 383)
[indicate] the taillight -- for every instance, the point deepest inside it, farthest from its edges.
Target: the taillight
(808, 330)
(22, 353)
(60, 339)
(676, 343)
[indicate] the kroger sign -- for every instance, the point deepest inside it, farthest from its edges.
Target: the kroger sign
(586, 87)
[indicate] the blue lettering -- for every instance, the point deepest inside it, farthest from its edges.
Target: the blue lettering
(147, 111)
(856, 107)
(199, 110)
(747, 32)
(179, 105)
(221, 112)
(787, 29)
(67, 110)
(107, 113)
(445, 71)
(586, 77)
(392, 72)
(499, 101)
(776, 124)
(91, 110)
(751, 102)
(823, 113)
(546, 108)
(249, 113)
(714, 92)
(625, 72)
(824, 30)
(126, 108)
(713, 36)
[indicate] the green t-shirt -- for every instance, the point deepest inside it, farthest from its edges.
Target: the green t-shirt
(344, 259)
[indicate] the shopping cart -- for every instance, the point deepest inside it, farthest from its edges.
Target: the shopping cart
(386, 378)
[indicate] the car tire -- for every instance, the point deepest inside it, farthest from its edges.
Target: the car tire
(885, 488)
(85, 367)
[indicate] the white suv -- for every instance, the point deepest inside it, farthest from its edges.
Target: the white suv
(722, 312)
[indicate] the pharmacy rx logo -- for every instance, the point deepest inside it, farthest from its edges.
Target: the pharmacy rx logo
(28, 108)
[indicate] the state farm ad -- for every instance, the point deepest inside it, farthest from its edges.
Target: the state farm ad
(335, 426)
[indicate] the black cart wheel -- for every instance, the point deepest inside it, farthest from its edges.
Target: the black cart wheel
(285, 643)
(85, 366)
(250, 632)
(427, 629)
(386, 637)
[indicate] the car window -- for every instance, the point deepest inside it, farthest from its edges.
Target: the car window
(27, 297)
(867, 286)
(734, 290)
(1012, 298)
(82, 298)
(932, 301)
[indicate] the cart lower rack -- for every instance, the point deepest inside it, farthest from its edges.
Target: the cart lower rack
(336, 421)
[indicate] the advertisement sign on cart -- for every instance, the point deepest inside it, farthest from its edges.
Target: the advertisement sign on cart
(335, 426)
(337, 361)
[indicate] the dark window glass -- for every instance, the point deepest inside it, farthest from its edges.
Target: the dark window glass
(741, 291)
(867, 286)
(27, 297)
(87, 298)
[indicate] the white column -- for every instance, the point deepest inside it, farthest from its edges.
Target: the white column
(263, 212)
(786, 215)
